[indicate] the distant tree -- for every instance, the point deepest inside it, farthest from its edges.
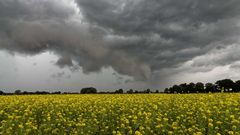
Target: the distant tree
(25, 93)
(191, 88)
(18, 92)
(176, 89)
(56, 92)
(226, 84)
(171, 90)
(130, 91)
(183, 88)
(166, 90)
(237, 86)
(157, 91)
(136, 91)
(1, 92)
(199, 87)
(89, 90)
(42, 92)
(209, 87)
(147, 91)
(119, 91)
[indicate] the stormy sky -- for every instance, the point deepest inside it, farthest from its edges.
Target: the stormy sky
(110, 44)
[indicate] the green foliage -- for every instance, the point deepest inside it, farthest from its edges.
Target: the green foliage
(225, 85)
(89, 90)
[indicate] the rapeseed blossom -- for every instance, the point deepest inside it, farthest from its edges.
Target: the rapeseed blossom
(135, 114)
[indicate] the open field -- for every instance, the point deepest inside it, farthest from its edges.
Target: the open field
(121, 114)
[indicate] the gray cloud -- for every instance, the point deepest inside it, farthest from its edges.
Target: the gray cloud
(65, 34)
(138, 38)
(65, 61)
(235, 66)
(168, 33)
(58, 75)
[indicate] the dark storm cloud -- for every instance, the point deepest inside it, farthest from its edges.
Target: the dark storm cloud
(165, 33)
(135, 37)
(35, 29)
(35, 9)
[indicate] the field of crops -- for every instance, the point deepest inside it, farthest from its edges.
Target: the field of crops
(121, 114)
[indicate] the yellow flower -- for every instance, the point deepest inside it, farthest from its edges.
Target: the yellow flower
(119, 133)
(190, 129)
(20, 126)
(210, 120)
(230, 132)
(198, 133)
(165, 119)
(210, 125)
(130, 131)
(137, 133)
(34, 127)
(170, 132)
(219, 122)
(234, 127)
(232, 116)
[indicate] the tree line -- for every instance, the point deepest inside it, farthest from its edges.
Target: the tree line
(88, 90)
(225, 85)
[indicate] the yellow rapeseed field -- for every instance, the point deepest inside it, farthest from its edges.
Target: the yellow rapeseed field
(199, 114)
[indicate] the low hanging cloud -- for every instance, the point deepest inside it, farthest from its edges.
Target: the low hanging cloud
(65, 61)
(138, 38)
(58, 27)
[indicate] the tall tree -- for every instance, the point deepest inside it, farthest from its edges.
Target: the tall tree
(237, 86)
(18, 92)
(1, 92)
(119, 91)
(191, 88)
(209, 87)
(183, 88)
(176, 89)
(166, 90)
(89, 90)
(147, 91)
(226, 84)
(130, 91)
(199, 87)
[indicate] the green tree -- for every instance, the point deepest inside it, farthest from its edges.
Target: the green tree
(147, 91)
(1, 92)
(89, 90)
(166, 90)
(183, 88)
(119, 91)
(130, 91)
(18, 92)
(209, 87)
(226, 84)
(191, 88)
(176, 89)
(237, 86)
(199, 87)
